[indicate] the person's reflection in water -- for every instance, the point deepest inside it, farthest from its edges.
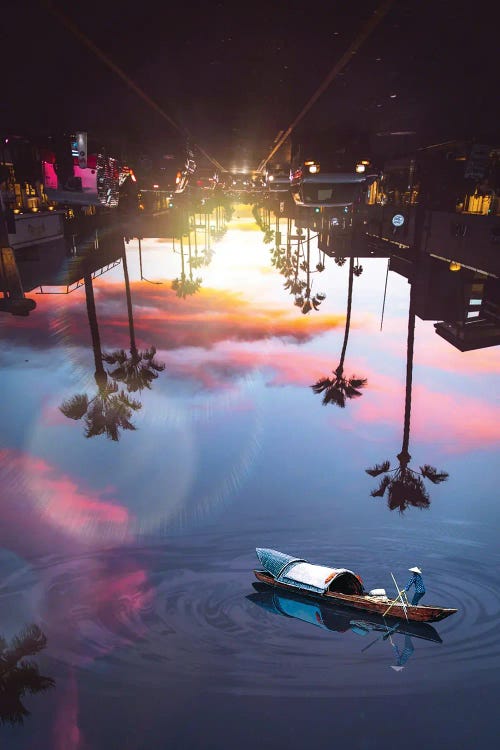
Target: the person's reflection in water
(404, 655)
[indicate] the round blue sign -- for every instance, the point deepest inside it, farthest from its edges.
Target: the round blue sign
(398, 220)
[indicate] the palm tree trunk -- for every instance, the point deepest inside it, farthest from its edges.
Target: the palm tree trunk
(195, 238)
(133, 347)
(190, 259)
(348, 316)
(183, 269)
(418, 238)
(308, 261)
(297, 261)
(409, 375)
(100, 372)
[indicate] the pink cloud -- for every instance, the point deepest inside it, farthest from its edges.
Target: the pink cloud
(435, 418)
(439, 355)
(41, 506)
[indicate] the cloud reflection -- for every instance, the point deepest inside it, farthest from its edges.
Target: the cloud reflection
(41, 494)
(210, 317)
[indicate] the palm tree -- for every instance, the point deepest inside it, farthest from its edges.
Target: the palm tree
(184, 286)
(405, 486)
(138, 369)
(193, 263)
(268, 236)
(358, 268)
(18, 676)
(339, 388)
(110, 409)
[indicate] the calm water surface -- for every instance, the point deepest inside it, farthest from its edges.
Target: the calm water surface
(134, 555)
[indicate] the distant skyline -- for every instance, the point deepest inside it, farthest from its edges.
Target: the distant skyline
(234, 76)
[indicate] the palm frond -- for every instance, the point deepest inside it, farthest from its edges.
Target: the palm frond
(380, 491)
(357, 382)
(406, 491)
(378, 469)
(321, 385)
(334, 395)
(30, 641)
(351, 391)
(75, 407)
(112, 358)
(433, 475)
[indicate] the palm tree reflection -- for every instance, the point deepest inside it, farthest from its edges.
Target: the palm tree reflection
(137, 369)
(405, 486)
(338, 389)
(110, 410)
(18, 676)
(184, 285)
(289, 263)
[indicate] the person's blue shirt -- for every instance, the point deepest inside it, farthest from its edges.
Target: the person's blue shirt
(418, 581)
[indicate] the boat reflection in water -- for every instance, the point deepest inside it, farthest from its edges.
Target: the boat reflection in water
(343, 619)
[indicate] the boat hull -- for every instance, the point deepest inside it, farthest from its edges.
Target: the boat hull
(336, 617)
(364, 603)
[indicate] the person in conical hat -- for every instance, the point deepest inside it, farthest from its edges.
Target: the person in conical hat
(417, 581)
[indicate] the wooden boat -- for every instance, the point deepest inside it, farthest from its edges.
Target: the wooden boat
(330, 616)
(337, 585)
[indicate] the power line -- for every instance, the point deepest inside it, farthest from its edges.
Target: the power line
(121, 74)
(360, 38)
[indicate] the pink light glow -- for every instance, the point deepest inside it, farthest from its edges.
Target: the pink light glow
(44, 494)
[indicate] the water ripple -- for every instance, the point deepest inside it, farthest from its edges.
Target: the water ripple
(143, 612)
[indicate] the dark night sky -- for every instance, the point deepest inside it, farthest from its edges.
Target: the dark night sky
(235, 74)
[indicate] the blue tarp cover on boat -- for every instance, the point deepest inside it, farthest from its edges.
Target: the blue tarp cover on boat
(303, 575)
(275, 562)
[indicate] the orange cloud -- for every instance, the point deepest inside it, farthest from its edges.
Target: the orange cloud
(160, 318)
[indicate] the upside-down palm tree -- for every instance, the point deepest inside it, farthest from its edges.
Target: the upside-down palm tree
(338, 389)
(405, 486)
(110, 410)
(137, 369)
(185, 285)
(19, 676)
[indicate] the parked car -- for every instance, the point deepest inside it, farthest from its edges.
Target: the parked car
(240, 182)
(329, 190)
(277, 178)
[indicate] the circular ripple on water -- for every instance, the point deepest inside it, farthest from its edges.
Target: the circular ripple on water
(142, 612)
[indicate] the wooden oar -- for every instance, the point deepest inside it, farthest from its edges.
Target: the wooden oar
(400, 593)
(384, 636)
(394, 602)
